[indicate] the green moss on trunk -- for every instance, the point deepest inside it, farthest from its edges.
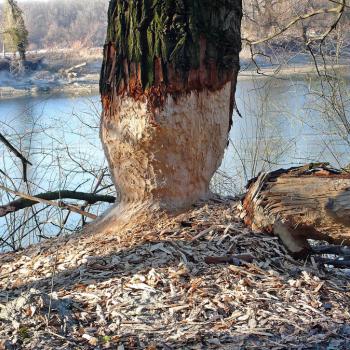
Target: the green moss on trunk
(185, 36)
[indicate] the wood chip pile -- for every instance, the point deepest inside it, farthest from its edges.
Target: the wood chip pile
(148, 287)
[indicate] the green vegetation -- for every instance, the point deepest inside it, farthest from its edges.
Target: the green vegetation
(23, 333)
(171, 30)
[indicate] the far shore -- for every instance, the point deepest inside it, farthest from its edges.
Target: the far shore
(88, 82)
(295, 71)
(76, 89)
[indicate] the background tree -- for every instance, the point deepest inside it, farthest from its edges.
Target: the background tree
(15, 32)
(168, 82)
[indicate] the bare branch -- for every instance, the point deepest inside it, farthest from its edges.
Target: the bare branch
(72, 208)
(338, 10)
(89, 198)
(18, 154)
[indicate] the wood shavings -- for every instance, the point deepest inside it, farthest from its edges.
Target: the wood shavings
(148, 286)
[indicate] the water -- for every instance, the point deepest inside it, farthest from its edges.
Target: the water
(59, 135)
(285, 123)
(282, 124)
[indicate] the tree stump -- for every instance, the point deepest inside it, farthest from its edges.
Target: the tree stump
(308, 202)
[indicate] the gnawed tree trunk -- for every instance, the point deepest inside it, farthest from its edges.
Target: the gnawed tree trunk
(167, 85)
(309, 202)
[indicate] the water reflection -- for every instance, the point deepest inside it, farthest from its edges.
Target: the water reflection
(58, 135)
(279, 128)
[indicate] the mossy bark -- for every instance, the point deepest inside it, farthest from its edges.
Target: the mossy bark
(179, 45)
(167, 85)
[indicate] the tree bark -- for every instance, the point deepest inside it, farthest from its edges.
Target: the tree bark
(309, 202)
(167, 86)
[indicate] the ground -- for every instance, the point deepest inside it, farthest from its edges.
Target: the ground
(147, 286)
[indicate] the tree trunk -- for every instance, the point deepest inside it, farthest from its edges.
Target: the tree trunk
(310, 202)
(167, 84)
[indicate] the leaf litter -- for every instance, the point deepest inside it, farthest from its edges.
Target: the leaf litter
(148, 286)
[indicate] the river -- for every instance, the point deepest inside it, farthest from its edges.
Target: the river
(281, 123)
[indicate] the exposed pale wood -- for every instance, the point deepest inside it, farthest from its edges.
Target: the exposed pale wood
(310, 202)
(71, 69)
(154, 281)
(167, 86)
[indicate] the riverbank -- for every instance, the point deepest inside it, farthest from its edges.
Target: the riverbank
(296, 71)
(62, 71)
(65, 71)
(75, 88)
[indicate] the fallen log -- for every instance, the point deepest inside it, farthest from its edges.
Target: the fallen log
(6, 210)
(72, 72)
(297, 204)
(340, 263)
(71, 69)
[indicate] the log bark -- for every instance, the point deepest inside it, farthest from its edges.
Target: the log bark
(309, 202)
(167, 84)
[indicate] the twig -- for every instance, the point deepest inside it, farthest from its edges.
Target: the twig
(60, 337)
(337, 10)
(18, 154)
(203, 233)
(237, 260)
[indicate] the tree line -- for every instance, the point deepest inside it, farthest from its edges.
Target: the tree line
(67, 23)
(63, 23)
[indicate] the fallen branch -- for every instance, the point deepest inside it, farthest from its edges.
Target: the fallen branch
(22, 203)
(334, 262)
(69, 70)
(30, 200)
(230, 259)
(331, 249)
